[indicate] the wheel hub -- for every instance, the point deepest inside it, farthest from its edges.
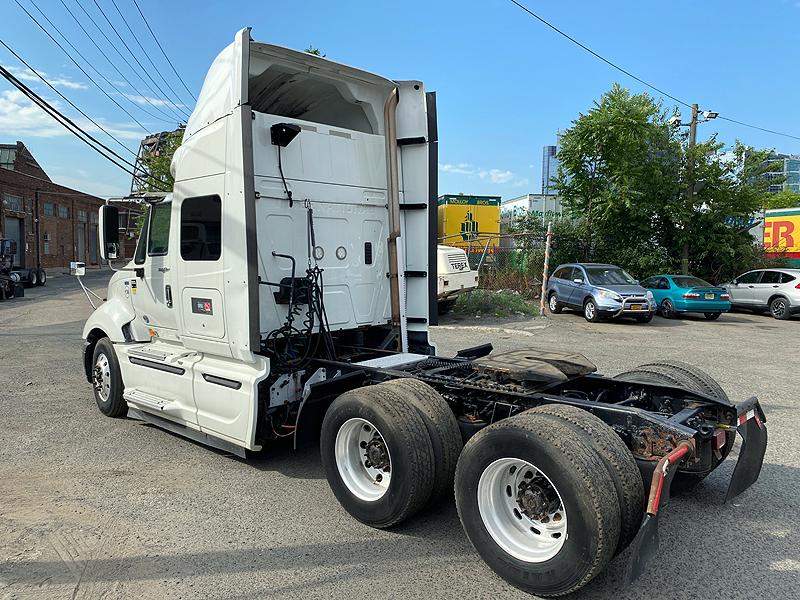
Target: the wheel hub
(376, 454)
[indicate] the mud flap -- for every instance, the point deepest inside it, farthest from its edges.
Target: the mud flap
(645, 545)
(754, 444)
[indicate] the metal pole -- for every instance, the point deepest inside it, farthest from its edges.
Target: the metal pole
(36, 229)
(690, 185)
(546, 268)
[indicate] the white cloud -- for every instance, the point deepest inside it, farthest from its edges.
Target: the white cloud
(61, 81)
(145, 100)
(496, 175)
(20, 117)
(459, 169)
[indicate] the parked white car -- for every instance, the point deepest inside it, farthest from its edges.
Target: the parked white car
(455, 276)
(775, 290)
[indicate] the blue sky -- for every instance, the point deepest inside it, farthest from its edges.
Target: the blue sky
(505, 82)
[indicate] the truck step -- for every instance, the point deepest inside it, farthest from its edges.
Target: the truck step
(145, 400)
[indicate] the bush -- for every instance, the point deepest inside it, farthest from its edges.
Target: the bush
(498, 303)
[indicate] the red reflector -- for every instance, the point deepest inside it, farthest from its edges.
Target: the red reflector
(797, 287)
(691, 295)
(720, 439)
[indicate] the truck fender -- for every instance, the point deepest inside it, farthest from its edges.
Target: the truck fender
(109, 320)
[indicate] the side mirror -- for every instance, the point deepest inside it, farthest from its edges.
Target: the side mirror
(109, 232)
(735, 282)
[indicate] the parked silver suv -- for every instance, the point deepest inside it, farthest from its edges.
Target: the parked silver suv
(776, 290)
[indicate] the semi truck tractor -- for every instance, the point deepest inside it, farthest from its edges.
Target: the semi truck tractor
(285, 287)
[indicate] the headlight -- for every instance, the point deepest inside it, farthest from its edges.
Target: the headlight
(610, 295)
(649, 295)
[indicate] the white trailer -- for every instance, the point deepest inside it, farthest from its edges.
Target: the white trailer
(287, 284)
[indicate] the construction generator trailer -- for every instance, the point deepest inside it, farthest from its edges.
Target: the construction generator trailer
(286, 285)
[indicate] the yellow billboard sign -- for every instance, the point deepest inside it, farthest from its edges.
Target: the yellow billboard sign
(469, 222)
(782, 232)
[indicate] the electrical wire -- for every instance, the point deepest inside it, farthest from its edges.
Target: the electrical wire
(71, 13)
(146, 54)
(75, 62)
(162, 50)
(632, 76)
(39, 75)
(75, 129)
(158, 87)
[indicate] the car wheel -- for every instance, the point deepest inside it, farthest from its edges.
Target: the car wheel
(779, 308)
(712, 316)
(590, 312)
(667, 310)
(553, 304)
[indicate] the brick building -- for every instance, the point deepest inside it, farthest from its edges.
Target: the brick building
(67, 218)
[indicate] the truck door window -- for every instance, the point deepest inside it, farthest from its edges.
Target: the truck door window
(141, 245)
(158, 238)
(201, 227)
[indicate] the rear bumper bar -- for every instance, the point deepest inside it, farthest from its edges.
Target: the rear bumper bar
(750, 425)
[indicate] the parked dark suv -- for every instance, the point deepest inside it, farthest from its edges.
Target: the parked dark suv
(600, 291)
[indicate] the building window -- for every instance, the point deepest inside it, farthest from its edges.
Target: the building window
(49, 210)
(46, 243)
(93, 218)
(83, 217)
(63, 212)
(12, 202)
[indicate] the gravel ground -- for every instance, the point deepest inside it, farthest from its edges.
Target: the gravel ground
(92, 507)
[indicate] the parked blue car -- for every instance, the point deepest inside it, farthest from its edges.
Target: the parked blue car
(599, 291)
(676, 294)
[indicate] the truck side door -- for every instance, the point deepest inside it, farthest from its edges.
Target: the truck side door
(153, 299)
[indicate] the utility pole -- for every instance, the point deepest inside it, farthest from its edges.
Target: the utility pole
(689, 185)
(36, 229)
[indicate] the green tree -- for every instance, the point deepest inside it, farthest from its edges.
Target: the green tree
(782, 199)
(157, 166)
(314, 51)
(623, 174)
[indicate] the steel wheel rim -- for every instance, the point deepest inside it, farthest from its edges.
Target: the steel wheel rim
(102, 377)
(553, 303)
(588, 310)
(779, 308)
(507, 514)
(357, 441)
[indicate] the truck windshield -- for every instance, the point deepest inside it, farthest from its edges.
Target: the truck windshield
(609, 276)
(690, 282)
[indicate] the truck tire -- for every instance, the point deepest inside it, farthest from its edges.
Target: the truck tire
(445, 306)
(107, 380)
(33, 278)
(681, 374)
(377, 455)
(42, 277)
(617, 458)
(518, 483)
(442, 428)
(690, 377)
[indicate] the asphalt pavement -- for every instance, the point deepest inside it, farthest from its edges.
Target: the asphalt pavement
(92, 507)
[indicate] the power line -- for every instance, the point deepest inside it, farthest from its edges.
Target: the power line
(113, 66)
(162, 50)
(146, 54)
(64, 50)
(114, 29)
(35, 72)
(632, 76)
(75, 129)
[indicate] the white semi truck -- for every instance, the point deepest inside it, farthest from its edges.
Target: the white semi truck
(287, 283)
